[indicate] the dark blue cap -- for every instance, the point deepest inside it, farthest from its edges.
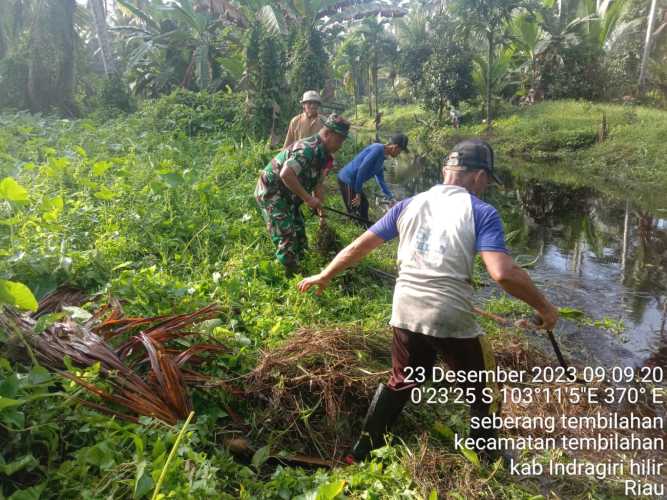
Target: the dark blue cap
(473, 154)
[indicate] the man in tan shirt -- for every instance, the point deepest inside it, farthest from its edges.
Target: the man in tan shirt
(307, 123)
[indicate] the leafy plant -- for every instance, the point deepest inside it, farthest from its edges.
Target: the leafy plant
(11, 292)
(447, 75)
(172, 45)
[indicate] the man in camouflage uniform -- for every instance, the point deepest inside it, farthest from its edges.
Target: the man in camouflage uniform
(295, 176)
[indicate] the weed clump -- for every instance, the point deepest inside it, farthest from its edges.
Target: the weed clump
(327, 241)
(317, 384)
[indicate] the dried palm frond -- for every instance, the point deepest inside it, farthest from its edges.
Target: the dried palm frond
(153, 383)
(54, 301)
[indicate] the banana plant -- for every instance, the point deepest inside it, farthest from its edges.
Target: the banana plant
(173, 45)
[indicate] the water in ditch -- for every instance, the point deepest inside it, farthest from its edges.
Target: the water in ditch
(591, 251)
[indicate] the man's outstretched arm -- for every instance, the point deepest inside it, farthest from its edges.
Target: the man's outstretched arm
(515, 281)
(347, 257)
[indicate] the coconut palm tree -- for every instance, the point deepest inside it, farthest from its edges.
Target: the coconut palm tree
(98, 9)
(379, 46)
(544, 34)
(487, 19)
(526, 34)
(499, 72)
(413, 41)
(350, 63)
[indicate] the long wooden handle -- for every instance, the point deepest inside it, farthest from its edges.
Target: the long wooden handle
(351, 216)
(494, 317)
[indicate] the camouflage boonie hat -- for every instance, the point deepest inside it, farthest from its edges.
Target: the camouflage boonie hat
(338, 124)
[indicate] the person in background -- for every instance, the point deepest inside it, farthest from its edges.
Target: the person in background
(309, 122)
(455, 117)
(368, 163)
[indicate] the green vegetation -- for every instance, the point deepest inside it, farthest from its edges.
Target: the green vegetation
(131, 136)
(165, 222)
(399, 118)
(628, 161)
(73, 59)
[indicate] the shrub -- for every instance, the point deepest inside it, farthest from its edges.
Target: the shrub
(196, 112)
(115, 95)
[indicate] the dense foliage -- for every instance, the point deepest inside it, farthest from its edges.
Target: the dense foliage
(446, 75)
(69, 60)
(146, 198)
(156, 209)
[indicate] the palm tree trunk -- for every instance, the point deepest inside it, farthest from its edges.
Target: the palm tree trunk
(647, 48)
(355, 100)
(488, 79)
(370, 92)
(4, 43)
(99, 17)
(357, 93)
(67, 68)
(51, 62)
(375, 83)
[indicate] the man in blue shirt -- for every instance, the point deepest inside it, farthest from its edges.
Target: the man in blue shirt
(368, 163)
(440, 231)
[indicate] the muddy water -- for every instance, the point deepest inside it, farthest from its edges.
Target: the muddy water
(592, 252)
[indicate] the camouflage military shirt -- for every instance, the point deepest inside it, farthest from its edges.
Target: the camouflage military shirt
(306, 157)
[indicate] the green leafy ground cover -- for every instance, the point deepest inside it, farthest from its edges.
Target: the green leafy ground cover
(162, 217)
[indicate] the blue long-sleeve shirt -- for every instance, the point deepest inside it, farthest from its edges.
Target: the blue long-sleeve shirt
(368, 163)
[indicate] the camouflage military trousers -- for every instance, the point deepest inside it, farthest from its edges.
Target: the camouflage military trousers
(285, 224)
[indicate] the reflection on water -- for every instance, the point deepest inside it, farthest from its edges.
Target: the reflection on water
(598, 254)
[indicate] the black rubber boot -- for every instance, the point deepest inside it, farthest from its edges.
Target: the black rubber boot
(292, 269)
(383, 412)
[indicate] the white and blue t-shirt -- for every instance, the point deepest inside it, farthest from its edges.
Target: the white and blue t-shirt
(439, 231)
